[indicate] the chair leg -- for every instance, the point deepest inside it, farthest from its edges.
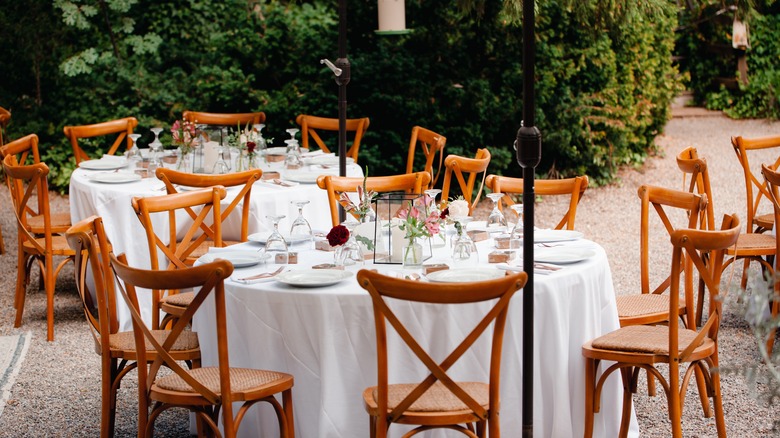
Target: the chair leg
(49, 285)
(717, 399)
(21, 287)
(287, 403)
(650, 385)
(625, 419)
(675, 408)
(590, 386)
(702, 385)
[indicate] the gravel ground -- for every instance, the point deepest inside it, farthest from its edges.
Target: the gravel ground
(57, 392)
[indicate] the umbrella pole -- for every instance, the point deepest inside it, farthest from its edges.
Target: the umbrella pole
(342, 80)
(529, 150)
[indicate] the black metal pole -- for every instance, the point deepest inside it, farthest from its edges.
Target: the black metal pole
(342, 80)
(529, 152)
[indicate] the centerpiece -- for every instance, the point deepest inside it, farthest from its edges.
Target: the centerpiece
(363, 212)
(418, 222)
(347, 250)
(185, 134)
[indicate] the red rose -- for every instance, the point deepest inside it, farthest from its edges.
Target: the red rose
(250, 147)
(444, 213)
(338, 235)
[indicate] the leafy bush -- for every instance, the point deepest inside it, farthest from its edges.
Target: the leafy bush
(602, 90)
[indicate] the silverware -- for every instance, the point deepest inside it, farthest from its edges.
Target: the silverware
(263, 275)
(282, 183)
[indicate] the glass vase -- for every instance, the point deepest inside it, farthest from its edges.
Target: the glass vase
(413, 254)
(184, 163)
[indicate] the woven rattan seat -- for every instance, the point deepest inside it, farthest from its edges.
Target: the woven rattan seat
(753, 242)
(436, 399)
(241, 379)
(644, 339)
(60, 222)
(180, 300)
(636, 305)
(125, 341)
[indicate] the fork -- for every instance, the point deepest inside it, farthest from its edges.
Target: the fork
(263, 275)
(282, 183)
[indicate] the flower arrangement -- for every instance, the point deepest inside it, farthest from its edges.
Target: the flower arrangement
(415, 222)
(458, 208)
(363, 210)
(184, 135)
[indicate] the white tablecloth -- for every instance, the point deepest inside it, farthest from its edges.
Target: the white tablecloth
(124, 230)
(325, 338)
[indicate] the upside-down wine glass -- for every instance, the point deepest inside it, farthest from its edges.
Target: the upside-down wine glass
(464, 251)
(496, 222)
(134, 154)
(439, 240)
(517, 231)
(155, 152)
(292, 159)
(275, 244)
(300, 228)
(292, 132)
(350, 253)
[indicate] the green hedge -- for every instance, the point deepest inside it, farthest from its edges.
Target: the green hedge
(602, 91)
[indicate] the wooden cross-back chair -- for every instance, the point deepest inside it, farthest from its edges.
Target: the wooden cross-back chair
(431, 144)
(414, 183)
(755, 187)
(574, 188)
(176, 252)
(224, 119)
(313, 126)
(750, 246)
(204, 391)
(772, 178)
(437, 401)
(27, 182)
(642, 347)
(172, 178)
(121, 127)
(457, 166)
(117, 350)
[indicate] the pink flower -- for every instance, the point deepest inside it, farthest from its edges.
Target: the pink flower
(415, 213)
(402, 214)
(432, 223)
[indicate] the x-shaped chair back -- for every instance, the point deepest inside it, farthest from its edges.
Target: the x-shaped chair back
(431, 144)
(172, 178)
(690, 163)
(121, 127)
(312, 126)
(456, 166)
(382, 287)
(755, 188)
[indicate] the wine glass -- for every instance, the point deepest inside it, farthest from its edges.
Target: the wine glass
(157, 131)
(221, 166)
(292, 159)
(350, 253)
(155, 152)
(440, 240)
(464, 250)
(134, 154)
(292, 132)
(300, 226)
(496, 221)
(517, 231)
(275, 245)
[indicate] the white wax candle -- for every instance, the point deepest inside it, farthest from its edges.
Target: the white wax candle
(210, 155)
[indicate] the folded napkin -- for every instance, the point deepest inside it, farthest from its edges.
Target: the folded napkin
(214, 253)
(114, 158)
(539, 268)
(315, 153)
(258, 277)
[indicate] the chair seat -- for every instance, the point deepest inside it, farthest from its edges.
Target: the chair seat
(178, 300)
(651, 339)
(753, 244)
(242, 380)
(60, 222)
(58, 243)
(125, 341)
(436, 399)
(766, 221)
(648, 308)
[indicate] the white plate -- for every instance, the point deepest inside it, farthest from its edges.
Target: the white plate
(115, 177)
(276, 151)
(103, 164)
(562, 254)
(464, 275)
(263, 236)
(301, 176)
(326, 160)
(239, 259)
(542, 236)
(313, 277)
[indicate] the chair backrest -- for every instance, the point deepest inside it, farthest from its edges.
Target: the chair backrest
(121, 127)
(704, 249)
(206, 224)
(755, 189)
(381, 287)
(574, 188)
(28, 182)
(670, 206)
(5, 117)
(224, 119)
(207, 279)
(690, 163)
(98, 297)
(26, 152)
(336, 185)
(246, 179)
(431, 144)
(313, 126)
(457, 166)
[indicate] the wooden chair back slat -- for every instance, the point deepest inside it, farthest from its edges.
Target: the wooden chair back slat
(224, 119)
(313, 126)
(431, 145)
(456, 166)
(121, 127)
(755, 188)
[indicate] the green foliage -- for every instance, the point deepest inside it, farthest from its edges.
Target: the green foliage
(603, 82)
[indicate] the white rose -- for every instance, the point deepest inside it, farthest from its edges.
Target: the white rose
(459, 208)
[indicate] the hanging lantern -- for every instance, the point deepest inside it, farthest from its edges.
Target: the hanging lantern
(392, 17)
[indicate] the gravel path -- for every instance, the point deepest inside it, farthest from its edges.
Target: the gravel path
(57, 392)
